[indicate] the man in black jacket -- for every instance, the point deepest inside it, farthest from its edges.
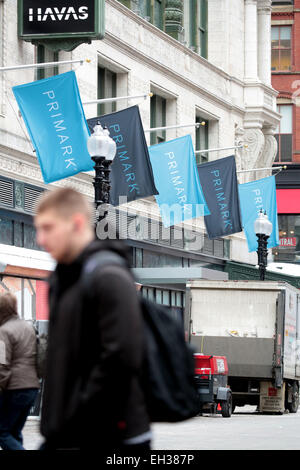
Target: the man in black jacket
(92, 395)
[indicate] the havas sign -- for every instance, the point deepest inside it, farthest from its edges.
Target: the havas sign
(57, 14)
(55, 19)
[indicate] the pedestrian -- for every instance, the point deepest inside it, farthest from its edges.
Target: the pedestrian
(19, 382)
(92, 396)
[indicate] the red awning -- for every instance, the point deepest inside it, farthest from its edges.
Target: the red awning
(288, 201)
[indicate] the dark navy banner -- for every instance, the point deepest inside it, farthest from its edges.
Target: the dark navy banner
(220, 188)
(131, 170)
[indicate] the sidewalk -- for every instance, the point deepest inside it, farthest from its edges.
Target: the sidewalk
(31, 433)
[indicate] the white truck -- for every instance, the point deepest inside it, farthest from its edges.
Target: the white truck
(256, 325)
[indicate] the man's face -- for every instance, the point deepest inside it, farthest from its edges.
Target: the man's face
(55, 234)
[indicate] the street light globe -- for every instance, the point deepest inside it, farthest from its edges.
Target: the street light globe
(98, 143)
(262, 225)
(112, 146)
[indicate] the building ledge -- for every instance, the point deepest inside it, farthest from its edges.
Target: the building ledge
(25, 262)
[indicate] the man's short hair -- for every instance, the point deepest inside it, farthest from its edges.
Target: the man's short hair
(66, 202)
(8, 306)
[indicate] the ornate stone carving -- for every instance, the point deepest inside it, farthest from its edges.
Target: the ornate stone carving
(268, 155)
(19, 195)
(28, 171)
(264, 6)
(174, 17)
(251, 155)
(239, 139)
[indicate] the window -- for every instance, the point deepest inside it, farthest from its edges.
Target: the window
(176, 238)
(289, 239)
(201, 139)
(281, 48)
(142, 8)
(17, 202)
(151, 10)
(198, 26)
(17, 230)
(284, 136)
(157, 13)
(18, 195)
(107, 88)
(46, 55)
(158, 118)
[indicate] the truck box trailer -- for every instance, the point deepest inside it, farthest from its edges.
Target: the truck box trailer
(256, 325)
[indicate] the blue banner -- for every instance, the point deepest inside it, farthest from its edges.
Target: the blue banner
(176, 178)
(54, 117)
(254, 196)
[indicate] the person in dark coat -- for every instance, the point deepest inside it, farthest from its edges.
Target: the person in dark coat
(19, 383)
(92, 395)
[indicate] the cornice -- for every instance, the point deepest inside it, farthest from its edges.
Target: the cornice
(264, 6)
(282, 13)
(278, 9)
(285, 94)
(163, 69)
(15, 164)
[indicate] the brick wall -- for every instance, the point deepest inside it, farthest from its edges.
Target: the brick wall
(288, 84)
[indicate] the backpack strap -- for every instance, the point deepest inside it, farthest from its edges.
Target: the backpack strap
(99, 260)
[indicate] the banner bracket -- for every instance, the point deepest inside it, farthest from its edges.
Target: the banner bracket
(176, 126)
(20, 123)
(280, 168)
(222, 148)
(117, 98)
(44, 65)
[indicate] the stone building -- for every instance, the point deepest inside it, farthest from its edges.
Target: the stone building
(204, 61)
(285, 79)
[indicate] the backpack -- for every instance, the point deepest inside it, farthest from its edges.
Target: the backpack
(167, 376)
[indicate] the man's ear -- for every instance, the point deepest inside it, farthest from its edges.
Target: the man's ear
(79, 221)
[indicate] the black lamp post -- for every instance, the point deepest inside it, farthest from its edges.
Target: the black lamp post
(102, 149)
(263, 229)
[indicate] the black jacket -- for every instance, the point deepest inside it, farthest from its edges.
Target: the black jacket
(92, 394)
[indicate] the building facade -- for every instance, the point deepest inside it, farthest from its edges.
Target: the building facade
(285, 79)
(203, 61)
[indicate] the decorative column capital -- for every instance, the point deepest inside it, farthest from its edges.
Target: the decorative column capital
(174, 17)
(249, 157)
(264, 7)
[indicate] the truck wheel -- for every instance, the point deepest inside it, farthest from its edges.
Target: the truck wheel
(294, 404)
(226, 407)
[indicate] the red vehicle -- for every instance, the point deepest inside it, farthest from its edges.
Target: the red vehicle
(211, 375)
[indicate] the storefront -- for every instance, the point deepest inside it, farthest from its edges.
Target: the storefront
(163, 259)
(241, 271)
(288, 208)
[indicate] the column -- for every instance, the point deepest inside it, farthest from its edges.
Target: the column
(174, 18)
(251, 40)
(264, 41)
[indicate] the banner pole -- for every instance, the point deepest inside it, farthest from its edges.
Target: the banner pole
(273, 168)
(44, 65)
(154, 129)
(117, 98)
(222, 148)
